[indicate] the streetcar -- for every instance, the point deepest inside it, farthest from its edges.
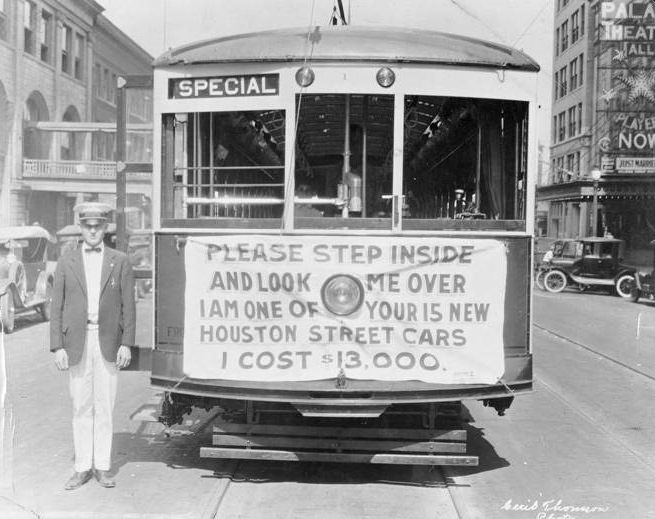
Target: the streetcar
(343, 229)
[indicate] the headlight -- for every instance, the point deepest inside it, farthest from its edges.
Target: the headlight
(305, 76)
(385, 77)
(342, 294)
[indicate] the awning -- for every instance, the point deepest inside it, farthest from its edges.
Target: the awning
(583, 190)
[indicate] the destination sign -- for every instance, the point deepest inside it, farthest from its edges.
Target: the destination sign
(249, 85)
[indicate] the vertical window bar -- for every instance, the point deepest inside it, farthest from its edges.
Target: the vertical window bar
(212, 193)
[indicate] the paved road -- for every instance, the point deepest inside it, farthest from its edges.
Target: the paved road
(585, 436)
(151, 467)
(582, 439)
(580, 446)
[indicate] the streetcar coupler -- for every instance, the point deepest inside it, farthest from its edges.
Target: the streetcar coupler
(499, 404)
(175, 406)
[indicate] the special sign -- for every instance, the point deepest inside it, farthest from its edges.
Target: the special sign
(432, 309)
(224, 86)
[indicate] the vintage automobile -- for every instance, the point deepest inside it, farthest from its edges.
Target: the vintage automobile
(26, 274)
(644, 285)
(589, 263)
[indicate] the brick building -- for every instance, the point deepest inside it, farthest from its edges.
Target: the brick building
(59, 63)
(603, 123)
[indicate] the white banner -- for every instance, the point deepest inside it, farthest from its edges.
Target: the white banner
(432, 309)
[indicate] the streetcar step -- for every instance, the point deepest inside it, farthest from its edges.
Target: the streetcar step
(339, 445)
(339, 457)
(411, 446)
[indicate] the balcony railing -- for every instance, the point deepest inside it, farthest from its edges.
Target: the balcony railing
(74, 170)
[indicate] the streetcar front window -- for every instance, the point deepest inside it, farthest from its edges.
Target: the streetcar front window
(226, 164)
(343, 163)
(464, 159)
(464, 164)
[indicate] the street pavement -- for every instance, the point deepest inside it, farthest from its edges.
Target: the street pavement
(582, 439)
(579, 446)
(151, 464)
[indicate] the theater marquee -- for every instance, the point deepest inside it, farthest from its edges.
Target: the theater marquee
(635, 164)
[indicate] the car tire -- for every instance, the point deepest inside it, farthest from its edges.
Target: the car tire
(539, 279)
(635, 294)
(555, 281)
(7, 312)
(624, 285)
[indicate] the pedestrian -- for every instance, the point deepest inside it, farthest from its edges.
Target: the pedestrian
(92, 328)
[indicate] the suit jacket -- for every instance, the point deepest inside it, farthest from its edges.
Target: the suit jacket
(69, 313)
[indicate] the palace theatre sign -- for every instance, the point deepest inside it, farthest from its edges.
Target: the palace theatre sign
(627, 85)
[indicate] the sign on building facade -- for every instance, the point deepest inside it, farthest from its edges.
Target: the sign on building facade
(626, 82)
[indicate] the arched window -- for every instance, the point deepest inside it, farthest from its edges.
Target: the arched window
(70, 143)
(36, 145)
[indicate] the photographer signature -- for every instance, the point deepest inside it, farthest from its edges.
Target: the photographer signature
(553, 508)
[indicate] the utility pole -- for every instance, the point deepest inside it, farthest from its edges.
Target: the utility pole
(595, 176)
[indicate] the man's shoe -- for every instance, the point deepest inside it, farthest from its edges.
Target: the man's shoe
(103, 479)
(77, 480)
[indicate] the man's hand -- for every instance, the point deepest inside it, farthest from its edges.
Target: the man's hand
(61, 359)
(124, 357)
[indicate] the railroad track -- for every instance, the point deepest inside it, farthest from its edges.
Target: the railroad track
(612, 409)
(593, 350)
(285, 489)
(328, 490)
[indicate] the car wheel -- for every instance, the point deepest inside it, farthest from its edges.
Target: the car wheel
(539, 279)
(624, 285)
(555, 281)
(635, 294)
(7, 312)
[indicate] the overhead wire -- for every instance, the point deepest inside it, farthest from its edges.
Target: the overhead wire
(548, 72)
(529, 26)
(585, 154)
(477, 19)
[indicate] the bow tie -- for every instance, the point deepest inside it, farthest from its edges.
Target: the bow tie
(92, 249)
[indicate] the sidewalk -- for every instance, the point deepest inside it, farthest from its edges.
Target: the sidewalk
(158, 472)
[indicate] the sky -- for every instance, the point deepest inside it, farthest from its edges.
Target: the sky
(157, 25)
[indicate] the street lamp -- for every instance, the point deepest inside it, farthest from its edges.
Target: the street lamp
(595, 175)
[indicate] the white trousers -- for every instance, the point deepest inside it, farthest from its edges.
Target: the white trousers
(93, 390)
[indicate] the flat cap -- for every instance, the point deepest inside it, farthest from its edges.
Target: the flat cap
(93, 210)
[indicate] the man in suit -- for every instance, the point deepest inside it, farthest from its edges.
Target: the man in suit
(92, 328)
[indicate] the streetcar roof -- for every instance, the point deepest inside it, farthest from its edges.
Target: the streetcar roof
(348, 43)
(600, 239)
